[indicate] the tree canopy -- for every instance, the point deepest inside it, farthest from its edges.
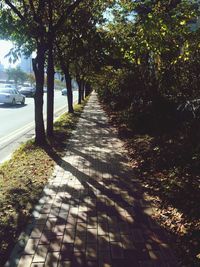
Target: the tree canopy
(142, 57)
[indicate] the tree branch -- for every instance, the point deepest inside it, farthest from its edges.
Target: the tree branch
(32, 8)
(15, 10)
(68, 11)
(36, 14)
(41, 6)
(173, 4)
(25, 7)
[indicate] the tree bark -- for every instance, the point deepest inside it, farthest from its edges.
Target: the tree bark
(82, 89)
(69, 91)
(50, 89)
(50, 74)
(38, 67)
(87, 89)
(79, 91)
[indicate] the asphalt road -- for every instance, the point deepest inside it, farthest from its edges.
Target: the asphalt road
(17, 122)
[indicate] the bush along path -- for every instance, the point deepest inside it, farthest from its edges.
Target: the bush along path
(93, 212)
(23, 178)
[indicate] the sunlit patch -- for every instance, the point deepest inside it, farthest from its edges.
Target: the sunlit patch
(164, 245)
(129, 219)
(152, 255)
(110, 202)
(127, 243)
(155, 238)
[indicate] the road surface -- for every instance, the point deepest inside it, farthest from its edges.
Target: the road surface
(17, 122)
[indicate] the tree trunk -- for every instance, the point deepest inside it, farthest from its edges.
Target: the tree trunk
(50, 89)
(50, 74)
(82, 89)
(38, 67)
(79, 91)
(87, 89)
(69, 91)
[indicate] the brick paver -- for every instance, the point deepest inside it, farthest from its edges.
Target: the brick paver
(92, 212)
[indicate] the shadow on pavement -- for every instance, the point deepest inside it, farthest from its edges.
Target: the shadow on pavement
(94, 212)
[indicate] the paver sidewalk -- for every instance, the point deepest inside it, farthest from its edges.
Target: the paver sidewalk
(92, 212)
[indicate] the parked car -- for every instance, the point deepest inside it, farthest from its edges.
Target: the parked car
(64, 91)
(27, 90)
(11, 96)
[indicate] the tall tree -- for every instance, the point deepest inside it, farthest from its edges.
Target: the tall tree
(35, 20)
(56, 18)
(28, 27)
(78, 42)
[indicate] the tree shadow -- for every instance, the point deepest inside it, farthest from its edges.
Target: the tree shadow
(94, 212)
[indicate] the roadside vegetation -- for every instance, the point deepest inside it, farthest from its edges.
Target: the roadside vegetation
(65, 38)
(168, 167)
(23, 177)
(152, 96)
(144, 62)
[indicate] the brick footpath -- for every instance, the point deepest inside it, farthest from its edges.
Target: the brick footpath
(93, 211)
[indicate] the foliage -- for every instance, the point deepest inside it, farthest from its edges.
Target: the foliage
(78, 43)
(156, 43)
(152, 68)
(144, 62)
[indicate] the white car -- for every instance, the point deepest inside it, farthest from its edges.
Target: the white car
(11, 96)
(64, 91)
(28, 91)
